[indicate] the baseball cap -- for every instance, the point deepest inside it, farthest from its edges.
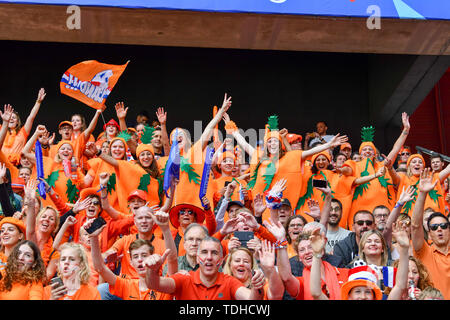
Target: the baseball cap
(138, 193)
(231, 203)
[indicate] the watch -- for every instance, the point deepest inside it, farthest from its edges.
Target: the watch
(318, 256)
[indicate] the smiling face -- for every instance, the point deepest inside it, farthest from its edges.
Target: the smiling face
(10, 235)
(413, 273)
(437, 164)
(335, 214)
(94, 208)
(416, 166)
(65, 152)
(361, 293)
(137, 257)
(226, 165)
(145, 158)
(69, 263)
(367, 152)
(373, 246)
(111, 131)
(46, 222)
(156, 140)
(241, 265)
(273, 146)
(209, 257)
(118, 150)
(295, 227)
(305, 253)
(321, 162)
(13, 121)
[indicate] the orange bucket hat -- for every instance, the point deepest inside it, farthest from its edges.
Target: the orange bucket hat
(325, 153)
(144, 147)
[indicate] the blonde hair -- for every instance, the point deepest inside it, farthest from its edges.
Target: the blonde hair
(56, 215)
(362, 242)
(57, 158)
(431, 292)
(227, 266)
(85, 271)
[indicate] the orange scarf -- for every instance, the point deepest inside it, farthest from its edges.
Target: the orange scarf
(331, 281)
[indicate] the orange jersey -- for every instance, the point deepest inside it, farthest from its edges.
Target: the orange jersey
(86, 292)
(190, 287)
(128, 289)
(13, 144)
(122, 247)
(31, 291)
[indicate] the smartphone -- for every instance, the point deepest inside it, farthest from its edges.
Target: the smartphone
(244, 236)
(319, 183)
(96, 224)
(57, 280)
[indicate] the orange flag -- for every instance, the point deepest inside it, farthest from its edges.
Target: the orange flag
(91, 82)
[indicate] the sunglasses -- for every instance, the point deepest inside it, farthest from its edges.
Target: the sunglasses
(361, 222)
(189, 212)
(406, 154)
(435, 226)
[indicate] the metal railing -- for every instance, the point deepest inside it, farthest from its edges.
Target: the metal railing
(429, 152)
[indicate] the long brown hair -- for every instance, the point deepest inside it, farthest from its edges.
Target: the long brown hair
(36, 273)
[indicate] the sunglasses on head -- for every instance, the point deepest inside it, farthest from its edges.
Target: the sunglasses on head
(435, 226)
(361, 222)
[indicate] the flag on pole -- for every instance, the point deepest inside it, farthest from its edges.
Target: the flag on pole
(40, 168)
(91, 82)
(206, 172)
(173, 164)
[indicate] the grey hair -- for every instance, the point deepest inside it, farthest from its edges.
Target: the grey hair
(193, 225)
(211, 239)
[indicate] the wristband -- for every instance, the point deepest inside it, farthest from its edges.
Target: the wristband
(281, 244)
(399, 204)
(231, 127)
(318, 256)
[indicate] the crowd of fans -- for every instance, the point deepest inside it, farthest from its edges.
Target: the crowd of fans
(112, 217)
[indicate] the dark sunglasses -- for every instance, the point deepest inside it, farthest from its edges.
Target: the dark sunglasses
(189, 212)
(406, 153)
(435, 226)
(361, 222)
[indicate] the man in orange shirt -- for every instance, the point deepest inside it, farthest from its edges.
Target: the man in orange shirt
(128, 288)
(436, 257)
(207, 283)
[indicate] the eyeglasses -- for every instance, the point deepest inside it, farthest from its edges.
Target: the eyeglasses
(189, 212)
(435, 226)
(361, 222)
(335, 209)
(384, 216)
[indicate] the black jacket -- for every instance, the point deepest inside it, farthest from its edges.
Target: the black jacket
(347, 248)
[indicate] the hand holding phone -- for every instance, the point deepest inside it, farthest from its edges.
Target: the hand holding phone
(319, 183)
(96, 224)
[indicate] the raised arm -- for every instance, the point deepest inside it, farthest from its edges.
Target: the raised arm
(284, 267)
(92, 124)
(267, 264)
(444, 173)
(30, 198)
(231, 128)
(106, 206)
(97, 258)
(161, 218)
(325, 212)
(210, 127)
(401, 281)
(68, 222)
(162, 118)
(152, 279)
(6, 116)
(405, 196)
(401, 139)
(7, 208)
(29, 122)
(121, 113)
(425, 186)
(169, 200)
(27, 150)
(318, 243)
(361, 180)
(336, 141)
(105, 157)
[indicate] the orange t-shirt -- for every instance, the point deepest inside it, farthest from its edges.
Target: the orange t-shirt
(122, 246)
(438, 265)
(190, 287)
(31, 291)
(128, 289)
(86, 292)
(13, 144)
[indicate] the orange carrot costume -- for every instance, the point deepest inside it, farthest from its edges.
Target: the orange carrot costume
(435, 198)
(377, 192)
(341, 188)
(14, 143)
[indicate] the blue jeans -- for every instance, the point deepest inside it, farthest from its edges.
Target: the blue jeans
(104, 292)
